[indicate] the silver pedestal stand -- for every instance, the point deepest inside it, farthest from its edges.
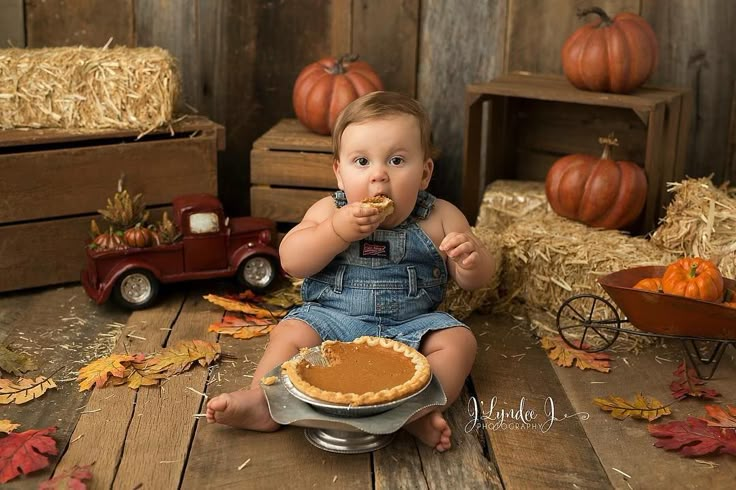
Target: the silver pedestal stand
(343, 429)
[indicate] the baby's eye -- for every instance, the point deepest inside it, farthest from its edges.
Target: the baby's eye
(361, 161)
(396, 160)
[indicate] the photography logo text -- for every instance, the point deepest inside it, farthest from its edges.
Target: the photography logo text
(521, 416)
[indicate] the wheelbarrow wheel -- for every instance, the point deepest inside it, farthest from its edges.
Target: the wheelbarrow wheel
(588, 322)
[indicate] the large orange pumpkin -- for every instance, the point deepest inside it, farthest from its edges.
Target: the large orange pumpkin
(610, 55)
(599, 192)
(324, 88)
(694, 277)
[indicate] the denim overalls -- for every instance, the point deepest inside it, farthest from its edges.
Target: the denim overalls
(387, 285)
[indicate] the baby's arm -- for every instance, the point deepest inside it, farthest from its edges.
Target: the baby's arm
(323, 233)
(468, 261)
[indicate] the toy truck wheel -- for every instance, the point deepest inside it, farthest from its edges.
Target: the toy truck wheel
(257, 272)
(136, 289)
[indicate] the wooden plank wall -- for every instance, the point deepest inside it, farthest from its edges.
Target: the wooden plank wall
(239, 59)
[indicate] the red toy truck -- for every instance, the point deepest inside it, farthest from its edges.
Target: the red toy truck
(211, 245)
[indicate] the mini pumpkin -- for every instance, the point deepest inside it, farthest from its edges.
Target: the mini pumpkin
(609, 54)
(324, 88)
(599, 192)
(650, 284)
(138, 236)
(110, 240)
(694, 277)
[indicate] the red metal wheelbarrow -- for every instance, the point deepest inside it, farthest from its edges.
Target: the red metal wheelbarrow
(592, 323)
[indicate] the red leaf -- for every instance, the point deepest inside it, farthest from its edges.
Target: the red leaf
(722, 419)
(694, 438)
(689, 384)
(23, 452)
(70, 479)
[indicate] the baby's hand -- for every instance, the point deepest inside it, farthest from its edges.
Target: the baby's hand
(461, 248)
(354, 222)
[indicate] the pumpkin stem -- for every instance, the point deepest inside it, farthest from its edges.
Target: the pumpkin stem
(339, 67)
(607, 142)
(605, 19)
(693, 270)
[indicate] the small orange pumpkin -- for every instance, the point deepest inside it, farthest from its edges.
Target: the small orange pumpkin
(138, 236)
(694, 277)
(111, 240)
(650, 284)
(324, 88)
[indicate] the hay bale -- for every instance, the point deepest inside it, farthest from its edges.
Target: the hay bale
(460, 303)
(506, 201)
(547, 260)
(700, 222)
(78, 87)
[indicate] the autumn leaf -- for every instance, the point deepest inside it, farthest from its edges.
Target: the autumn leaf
(98, 371)
(242, 328)
(231, 304)
(6, 426)
(565, 356)
(139, 374)
(15, 363)
(694, 437)
(70, 479)
(642, 407)
(23, 452)
(24, 390)
(722, 419)
(284, 298)
(689, 384)
(178, 358)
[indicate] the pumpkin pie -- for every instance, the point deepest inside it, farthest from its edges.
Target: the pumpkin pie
(366, 371)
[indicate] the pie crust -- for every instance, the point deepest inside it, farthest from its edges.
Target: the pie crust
(366, 371)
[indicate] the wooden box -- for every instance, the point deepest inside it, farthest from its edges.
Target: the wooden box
(52, 183)
(518, 125)
(290, 169)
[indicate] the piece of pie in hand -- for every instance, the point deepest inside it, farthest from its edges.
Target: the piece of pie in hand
(366, 371)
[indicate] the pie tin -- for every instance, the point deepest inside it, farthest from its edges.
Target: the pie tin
(337, 409)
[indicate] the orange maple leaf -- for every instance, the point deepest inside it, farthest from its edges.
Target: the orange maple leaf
(648, 408)
(97, 372)
(70, 479)
(565, 356)
(243, 328)
(722, 419)
(24, 390)
(23, 452)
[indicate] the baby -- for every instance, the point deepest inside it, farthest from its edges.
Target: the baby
(368, 273)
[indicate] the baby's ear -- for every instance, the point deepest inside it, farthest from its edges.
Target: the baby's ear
(427, 173)
(335, 169)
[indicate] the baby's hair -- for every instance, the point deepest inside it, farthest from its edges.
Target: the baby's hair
(382, 104)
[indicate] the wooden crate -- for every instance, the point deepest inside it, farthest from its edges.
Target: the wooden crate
(53, 181)
(516, 126)
(290, 169)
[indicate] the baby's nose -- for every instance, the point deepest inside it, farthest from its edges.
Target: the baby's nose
(379, 174)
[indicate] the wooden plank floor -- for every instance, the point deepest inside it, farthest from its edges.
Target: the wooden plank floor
(151, 439)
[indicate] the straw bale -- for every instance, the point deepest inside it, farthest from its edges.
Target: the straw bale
(78, 87)
(549, 259)
(700, 222)
(505, 201)
(461, 303)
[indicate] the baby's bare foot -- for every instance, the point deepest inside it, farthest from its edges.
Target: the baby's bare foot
(246, 409)
(433, 430)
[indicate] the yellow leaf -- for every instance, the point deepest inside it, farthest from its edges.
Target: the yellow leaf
(178, 358)
(235, 305)
(6, 426)
(565, 356)
(98, 371)
(139, 374)
(251, 332)
(24, 390)
(642, 407)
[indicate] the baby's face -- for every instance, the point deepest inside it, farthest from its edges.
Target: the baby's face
(384, 156)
